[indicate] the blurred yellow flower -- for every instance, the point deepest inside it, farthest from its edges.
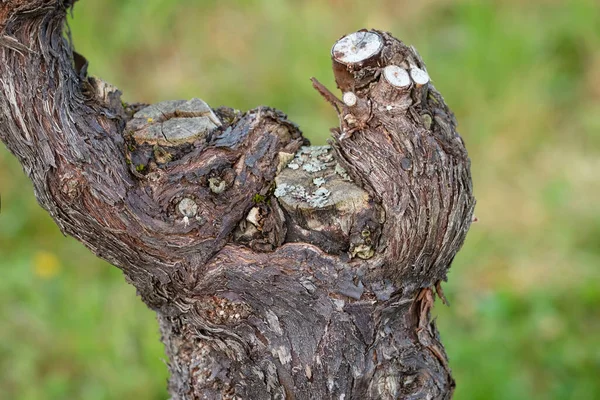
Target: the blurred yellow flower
(46, 265)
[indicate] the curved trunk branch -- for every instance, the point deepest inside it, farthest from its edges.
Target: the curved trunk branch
(276, 270)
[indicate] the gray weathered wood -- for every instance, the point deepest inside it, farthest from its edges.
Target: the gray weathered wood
(276, 270)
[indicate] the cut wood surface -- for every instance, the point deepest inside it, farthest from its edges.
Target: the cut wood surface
(277, 269)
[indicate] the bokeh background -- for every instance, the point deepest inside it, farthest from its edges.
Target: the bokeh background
(523, 78)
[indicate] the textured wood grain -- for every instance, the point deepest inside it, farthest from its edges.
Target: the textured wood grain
(276, 270)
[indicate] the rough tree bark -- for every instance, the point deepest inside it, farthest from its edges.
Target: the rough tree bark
(276, 270)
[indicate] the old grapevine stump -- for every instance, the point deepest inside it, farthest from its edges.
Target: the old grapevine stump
(277, 270)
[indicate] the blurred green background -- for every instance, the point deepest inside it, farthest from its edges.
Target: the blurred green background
(524, 81)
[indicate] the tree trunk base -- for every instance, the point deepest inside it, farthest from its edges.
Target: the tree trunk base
(276, 270)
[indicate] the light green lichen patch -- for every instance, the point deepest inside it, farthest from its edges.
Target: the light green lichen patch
(342, 172)
(316, 199)
(362, 251)
(217, 185)
(319, 181)
(426, 118)
(258, 198)
(312, 181)
(319, 198)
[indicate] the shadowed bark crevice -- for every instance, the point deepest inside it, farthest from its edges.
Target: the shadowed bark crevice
(276, 269)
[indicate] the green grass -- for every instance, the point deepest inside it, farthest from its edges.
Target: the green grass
(524, 81)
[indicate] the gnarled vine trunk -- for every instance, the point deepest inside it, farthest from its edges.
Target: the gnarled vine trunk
(276, 269)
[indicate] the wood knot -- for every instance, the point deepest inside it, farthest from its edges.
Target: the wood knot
(173, 122)
(223, 311)
(71, 185)
(217, 185)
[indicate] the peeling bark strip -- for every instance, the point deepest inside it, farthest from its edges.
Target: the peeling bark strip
(276, 270)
